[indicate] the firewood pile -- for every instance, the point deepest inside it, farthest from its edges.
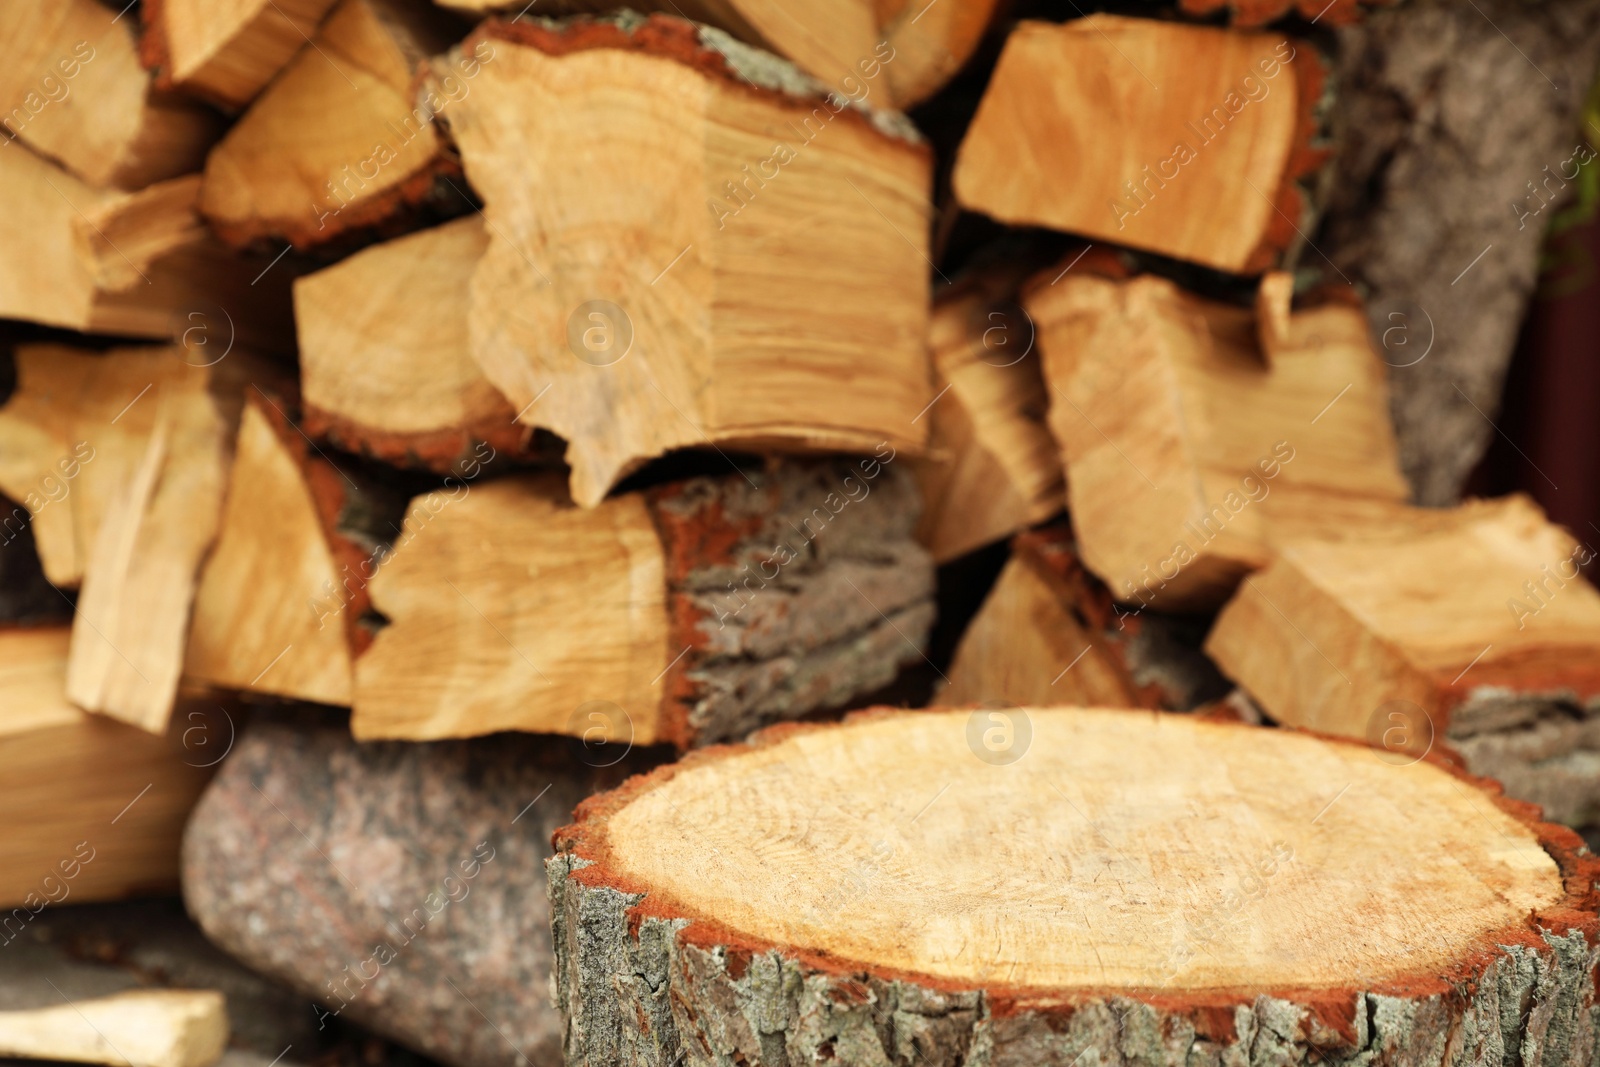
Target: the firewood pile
(768, 533)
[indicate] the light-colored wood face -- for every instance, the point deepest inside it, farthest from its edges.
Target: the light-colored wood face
(139, 1028)
(383, 335)
(1122, 851)
(1188, 449)
(1077, 110)
(43, 278)
(528, 632)
(73, 89)
(286, 634)
(652, 313)
(333, 136)
(228, 49)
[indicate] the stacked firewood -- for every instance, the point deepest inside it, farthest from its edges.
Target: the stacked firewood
(619, 389)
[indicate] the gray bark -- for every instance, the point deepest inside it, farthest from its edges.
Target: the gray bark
(309, 851)
(637, 994)
(1446, 112)
(1543, 748)
(793, 591)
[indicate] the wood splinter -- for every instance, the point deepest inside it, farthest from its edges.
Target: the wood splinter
(139, 1028)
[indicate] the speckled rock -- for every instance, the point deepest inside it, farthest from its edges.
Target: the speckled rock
(400, 886)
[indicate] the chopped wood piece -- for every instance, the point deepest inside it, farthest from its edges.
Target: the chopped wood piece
(1274, 304)
(684, 614)
(136, 264)
(1478, 602)
(121, 458)
(338, 141)
(1188, 456)
(139, 1028)
(668, 294)
(1029, 887)
(1260, 12)
(992, 467)
(73, 90)
(1182, 140)
(319, 532)
(896, 53)
(73, 775)
(1049, 631)
(385, 365)
(228, 51)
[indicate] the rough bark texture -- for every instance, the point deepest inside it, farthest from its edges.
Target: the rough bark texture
(1448, 115)
(1544, 748)
(790, 591)
(634, 993)
(309, 852)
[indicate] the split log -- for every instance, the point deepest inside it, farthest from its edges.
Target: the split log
(121, 458)
(992, 467)
(1439, 204)
(1049, 632)
(702, 165)
(685, 614)
(139, 1028)
(913, 46)
(1189, 454)
(338, 141)
(74, 91)
(1136, 886)
(1183, 140)
(225, 53)
(319, 532)
(385, 366)
(135, 264)
(436, 879)
(1341, 636)
(94, 808)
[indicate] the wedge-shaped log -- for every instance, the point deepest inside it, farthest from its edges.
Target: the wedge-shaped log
(1188, 454)
(122, 459)
(384, 361)
(684, 614)
(338, 141)
(895, 52)
(225, 52)
(1049, 630)
(95, 808)
(1390, 636)
(320, 531)
(1183, 140)
(133, 264)
(139, 1028)
(683, 288)
(992, 467)
(73, 90)
(1129, 878)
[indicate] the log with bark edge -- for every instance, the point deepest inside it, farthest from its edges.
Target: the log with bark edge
(898, 889)
(1049, 632)
(1183, 140)
(992, 467)
(1189, 454)
(122, 458)
(139, 1028)
(339, 141)
(384, 361)
(72, 89)
(684, 287)
(319, 530)
(896, 53)
(136, 264)
(1415, 202)
(1478, 605)
(224, 52)
(81, 825)
(685, 614)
